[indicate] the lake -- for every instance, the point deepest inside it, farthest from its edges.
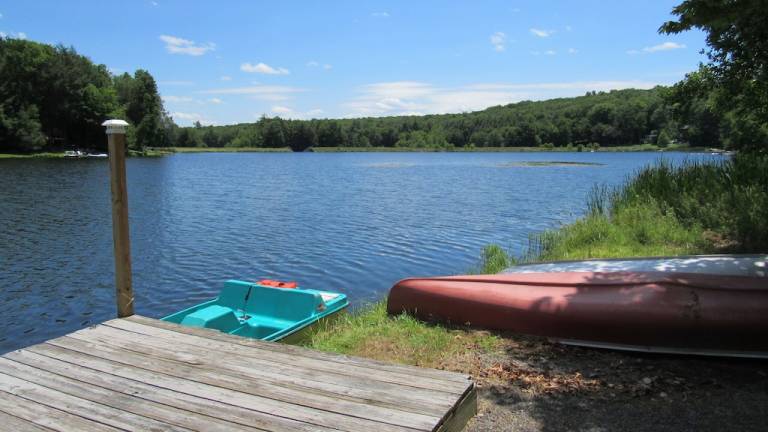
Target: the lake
(352, 222)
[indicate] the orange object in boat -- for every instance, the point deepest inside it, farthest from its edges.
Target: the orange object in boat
(278, 284)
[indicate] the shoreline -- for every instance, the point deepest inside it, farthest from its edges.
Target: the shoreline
(167, 151)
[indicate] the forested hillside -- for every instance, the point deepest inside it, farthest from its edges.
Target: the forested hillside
(53, 98)
(618, 117)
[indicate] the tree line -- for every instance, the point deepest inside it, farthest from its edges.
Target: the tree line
(723, 104)
(619, 117)
(53, 98)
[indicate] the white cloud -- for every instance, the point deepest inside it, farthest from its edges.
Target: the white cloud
(176, 83)
(568, 28)
(215, 101)
(542, 33)
(572, 51)
(290, 113)
(178, 99)
(666, 46)
(263, 68)
(380, 14)
(1, 15)
(415, 98)
(19, 35)
(260, 92)
(281, 110)
(187, 118)
(177, 45)
(499, 41)
(226, 78)
(550, 52)
(153, 3)
(316, 64)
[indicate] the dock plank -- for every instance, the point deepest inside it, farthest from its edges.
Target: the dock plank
(14, 423)
(131, 404)
(303, 377)
(156, 393)
(221, 377)
(137, 373)
(80, 407)
(368, 364)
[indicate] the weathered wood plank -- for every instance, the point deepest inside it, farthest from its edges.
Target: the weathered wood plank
(193, 368)
(465, 409)
(196, 404)
(306, 358)
(225, 395)
(368, 364)
(13, 423)
(120, 401)
(303, 377)
(83, 408)
(141, 374)
(46, 416)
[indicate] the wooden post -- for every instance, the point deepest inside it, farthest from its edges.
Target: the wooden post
(120, 232)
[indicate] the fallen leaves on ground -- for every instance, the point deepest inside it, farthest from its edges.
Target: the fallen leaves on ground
(541, 382)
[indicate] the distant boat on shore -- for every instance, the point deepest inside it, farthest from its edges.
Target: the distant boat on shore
(706, 305)
(74, 154)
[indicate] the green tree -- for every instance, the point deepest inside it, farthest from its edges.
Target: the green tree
(737, 73)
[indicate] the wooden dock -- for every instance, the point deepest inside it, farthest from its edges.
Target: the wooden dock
(137, 373)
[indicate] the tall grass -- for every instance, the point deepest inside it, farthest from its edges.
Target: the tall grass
(729, 199)
(667, 209)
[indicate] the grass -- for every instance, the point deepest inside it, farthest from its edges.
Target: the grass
(48, 155)
(662, 210)
(58, 155)
(371, 333)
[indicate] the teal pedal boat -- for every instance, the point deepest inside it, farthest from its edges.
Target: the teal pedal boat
(259, 311)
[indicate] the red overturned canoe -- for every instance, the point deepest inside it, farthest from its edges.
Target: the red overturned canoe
(649, 311)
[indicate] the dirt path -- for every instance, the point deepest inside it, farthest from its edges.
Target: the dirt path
(533, 385)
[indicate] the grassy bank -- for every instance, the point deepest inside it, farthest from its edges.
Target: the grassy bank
(60, 155)
(629, 148)
(46, 155)
(661, 210)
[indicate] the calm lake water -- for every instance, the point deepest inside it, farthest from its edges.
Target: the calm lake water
(352, 222)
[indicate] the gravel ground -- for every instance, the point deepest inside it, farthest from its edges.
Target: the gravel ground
(533, 385)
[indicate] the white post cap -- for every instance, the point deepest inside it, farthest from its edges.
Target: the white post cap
(115, 126)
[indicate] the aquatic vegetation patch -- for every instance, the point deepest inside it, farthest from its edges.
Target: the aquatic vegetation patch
(518, 164)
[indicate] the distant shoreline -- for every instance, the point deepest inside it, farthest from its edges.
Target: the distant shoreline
(632, 148)
(164, 151)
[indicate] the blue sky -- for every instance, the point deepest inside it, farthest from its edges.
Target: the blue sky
(233, 61)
